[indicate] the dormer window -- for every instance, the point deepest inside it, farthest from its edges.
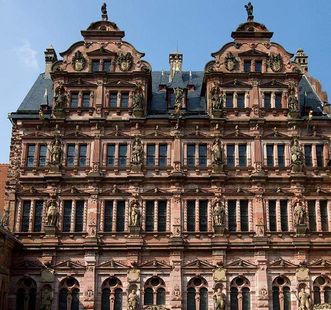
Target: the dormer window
(95, 65)
(106, 65)
(247, 65)
(258, 65)
(74, 100)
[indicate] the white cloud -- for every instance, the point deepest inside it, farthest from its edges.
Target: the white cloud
(27, 55)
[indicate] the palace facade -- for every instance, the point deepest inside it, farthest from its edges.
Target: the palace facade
(136, 189)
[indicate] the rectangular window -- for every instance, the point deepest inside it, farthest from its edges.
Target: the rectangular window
(191, 155)
(149, 220)
(190, 215)
(308, 158)
(110, 155)
(247, 65)
(30, 155)
(202, 155)
(312, 215)
(203, 220)
(267, 100)
(324, 215)
(163, 151)
(106, 65)
(241, 100)
(120, 216)
(26, 215)
(244, 226)
(74, 100)
(258, 65)
(230, 155)
(283, 215)
(82, 155)
(278, 100)
(229, 100)
(272, 215)
(67, 215)
(242, 155)
(70, 155)
(95, 65)
(281, 155)
(162, 215)
(124, 100)
(232, 216)
(38, 215)
(42, 155)
(122, 155)
(319, 155)
(86, 100)
(150, 160)
(270, 155)
(113, 100)
(79, 216)
(108, 220)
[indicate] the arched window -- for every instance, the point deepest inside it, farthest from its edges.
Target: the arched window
(26, 294)
(322, 290)
(69, 294)
(197, 294)
(154, 292)
(240, 294)
(281, 294)
(112, 293)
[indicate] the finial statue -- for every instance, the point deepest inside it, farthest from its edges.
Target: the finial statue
(104, 11)
(249, 9)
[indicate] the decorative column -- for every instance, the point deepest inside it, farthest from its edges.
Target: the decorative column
(31, 215)
(238, 228)
(313, 155)
(73, 216)
(89, 280)
(278, 221)
(318, 216)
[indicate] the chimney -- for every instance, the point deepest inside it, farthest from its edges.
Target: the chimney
(175, 61)
(301, 59)
(50, 58)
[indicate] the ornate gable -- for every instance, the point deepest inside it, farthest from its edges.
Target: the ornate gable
(253, 53)
(101, 52)
(112, 264)
(273, 84)
(235, 84)
(68, 264)
(320, 263)
(155, 264)
(120, 83)
(199, 264)
(240, 263)
(282, 263)
(80, 83)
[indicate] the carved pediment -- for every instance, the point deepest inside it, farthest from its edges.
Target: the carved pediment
(157, 134)
(320, 263)
(240, 263)
(72, 191)
(28, 265)
(237, 135)
(236, 84)
(36, 134)
(196, 191)
(101, 52)
(199, 264)
(115, 191)
(77, 134)
(282, 263)
(80, 83)
(275, 135)
(155, 264)
(156, 191)
(112, 264)
(68, 264)
(253, 53)
(119, 83)
(196, 135)
(273, 84)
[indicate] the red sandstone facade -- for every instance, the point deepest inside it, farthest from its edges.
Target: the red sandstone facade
(133, 189)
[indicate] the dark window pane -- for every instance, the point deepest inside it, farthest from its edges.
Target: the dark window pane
(160, 296)
(281, 155)
(324, 215)
(63, 299)
(247, 66)
(272, 215)
(86, 100)
(79, 215)
(283, 215)
(270, 155)
(122, 155)
(105, 299)
(203, 215)
(191, 215)
(278, 100)
(30, 155)
(191, 155)
(106, 65)
(118, 299)
(203, 299)
(191, 299)
(229, 100)
(267, 100)
(82, 155)
(148, 296)
(113, 100)
(74, 100)
(244, 215)
(317, 295)
(230, 155)
(42, 155)
(246, 299)
(26, 215)
(275, 298)
(38, 215)
(162, 215)
(202, 155)
(327, 295)
(234, 298)
(120, 216)
(240, 100)
(232, 219)
(308, 159)
(258, 66)
(163, 155)
(124, 100)
(70, 155)
(149, 215)
(150, 155)
(75, 299)
(67, 215)
(287, 298)
(20, 296)
(319, 155)
(312, 215)
(95, 65)
(108, 221)
(242, 155)
(110, 155)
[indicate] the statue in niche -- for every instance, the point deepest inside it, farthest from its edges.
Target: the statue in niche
(217, 152)
(179, 96)
(133, 300)
(46, 298)
(219, 212)
(135, 213)
(55, 151)
(4, 222)
(230, 62)
(52, 214)
(60, 99)
(304, 300)
(249, 8)
(137, 152)
(125, 61)
(138, 100)
(219, 300)
(217, 98)
(299, 213)
(293, 103)
(297, 157)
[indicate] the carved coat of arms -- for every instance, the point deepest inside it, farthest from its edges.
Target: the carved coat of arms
(125, 61)
(230, 62)
(78, 61)
(275, 62)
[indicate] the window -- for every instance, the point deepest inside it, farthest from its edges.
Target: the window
(95, 65)
(240, 294)
(281, 155)
(241, 100)
(26, 215)
(42, 155)
(122, 155)
(69, 287)
(38, 215)
(202, 213)
(106, 65)
(190, 215)
(149, 215)
(110, 155)
(30, 155)
(108, 221)
(242, 155)
(230, 155)
(70, 155)
(163, 152)
(247, 65)
(112, 291)
(124, 100)
(229, 100)
(26, 294)
(281, 301)
(232, 217)
(82, 155)
(203, 219)
(162, 215)
(258, 65)
(267, 100)
(86, 100)
(283, 215)
(270, 155)
(272, 215)
(278, 100)
(120, 216)
(324, 215)
(312, 215)
(159, 208)
(308, 158)
(154, 292)
(320, 285)
(79, 216)
(150, 155)
(191, 155)
(67, 210)
(244, 226)
(319, 155)
(113, 100)
(202, 155)
(197, 287)
(114, 210)
(74, 100)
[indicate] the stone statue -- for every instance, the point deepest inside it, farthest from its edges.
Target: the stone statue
(137, 152)
(293, 104)
(217, 154)
(249, 9)
(135, 213)
(138, 99)
(4, 222)
(219, 212)
(104, 9)
(55, 152)
(52, 214)
(60, 99)
(219, 300)
(179, 95)
(299, 213)
(46, 299)
(304, 300)
(296, 156)
(133, 300)
(217, 98)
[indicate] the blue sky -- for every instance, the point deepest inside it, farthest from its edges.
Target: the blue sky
(154, 27)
